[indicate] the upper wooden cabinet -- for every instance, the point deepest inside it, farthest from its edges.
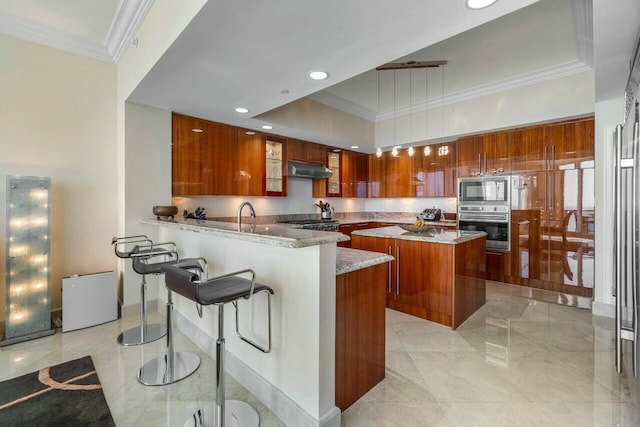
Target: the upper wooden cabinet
(316, 153)
(186, 155)
(487, 154)
(571, 143)
(204, 157)
(262, 168)
(528, 147)
(434, 170)
(296, 150)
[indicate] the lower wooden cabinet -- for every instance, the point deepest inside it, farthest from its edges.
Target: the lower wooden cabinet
(360, 333)
(350, 228)
(439, 282)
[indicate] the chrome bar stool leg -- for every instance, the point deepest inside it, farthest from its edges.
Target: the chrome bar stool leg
(173, 366)
(143, 333)
(224, 412)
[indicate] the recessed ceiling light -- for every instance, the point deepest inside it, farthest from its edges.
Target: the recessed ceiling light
(250, 132)
(196, 130)
(355, 147)
(318, 75)
(267, 127)
(242, 110)
(479, 4)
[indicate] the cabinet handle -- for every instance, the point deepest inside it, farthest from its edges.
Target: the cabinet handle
(390, 252)
(618, 245)
(553, 156)
(485, 162)
(479, 165)
(397, 270)
(546, 166)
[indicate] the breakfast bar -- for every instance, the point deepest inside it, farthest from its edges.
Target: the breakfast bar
(314, 283)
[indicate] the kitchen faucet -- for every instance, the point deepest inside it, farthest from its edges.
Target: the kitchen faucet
(251, 212)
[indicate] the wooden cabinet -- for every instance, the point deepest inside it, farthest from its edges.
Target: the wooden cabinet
(296, 150)
(188, 140)
(434, 169)
(261, 167)
(553, 207)
(486, 154)
(438, 282)
(354, 174)
(376, 186)
(220, 157)
(316, 153)
(360, 333)
(204, 157)
(334, 182)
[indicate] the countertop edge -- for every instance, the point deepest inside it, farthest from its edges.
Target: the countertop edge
(349, 260)
(321, 238)
(395, 232)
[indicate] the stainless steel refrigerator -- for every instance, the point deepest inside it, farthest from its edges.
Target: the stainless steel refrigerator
(627, 223)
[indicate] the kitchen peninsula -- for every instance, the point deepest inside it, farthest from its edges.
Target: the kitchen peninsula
(314, 283)
(438, 275)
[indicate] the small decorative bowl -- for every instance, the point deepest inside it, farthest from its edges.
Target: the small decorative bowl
(417, 229)
(165, 211)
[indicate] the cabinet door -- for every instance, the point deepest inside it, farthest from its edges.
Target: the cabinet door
(361, 162)
(571, 144)
(469, 155)
(348, 174)
(410, 275)
(448, 163)
(220, 160)
(275, 172)
(251, 160)
(496, 153)
(186, 155)
(376, 185)
(385, 246)
(316, 153)
(398, 175)
(528, 149)
(570, 232)
(421, 162)
(296, 150)
(334, 162)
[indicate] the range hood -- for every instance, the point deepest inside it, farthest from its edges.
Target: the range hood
(307, 170)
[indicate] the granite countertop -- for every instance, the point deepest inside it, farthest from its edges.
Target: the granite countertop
(348, 260)
(442, 223)
(270, 234)
(437, 236)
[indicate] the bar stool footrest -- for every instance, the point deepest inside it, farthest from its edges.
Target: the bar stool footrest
(237, 413)
(156, 372)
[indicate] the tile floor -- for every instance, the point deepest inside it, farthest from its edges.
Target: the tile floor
(516, 362)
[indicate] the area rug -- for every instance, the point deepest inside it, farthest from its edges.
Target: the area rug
(68, 394)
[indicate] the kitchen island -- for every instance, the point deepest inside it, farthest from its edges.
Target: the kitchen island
(312, 279)
(437, 275)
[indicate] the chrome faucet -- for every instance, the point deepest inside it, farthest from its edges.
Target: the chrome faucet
(251, 212)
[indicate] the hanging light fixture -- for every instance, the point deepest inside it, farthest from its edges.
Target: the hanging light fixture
(378, 152)
(410, 151)
(427, 150)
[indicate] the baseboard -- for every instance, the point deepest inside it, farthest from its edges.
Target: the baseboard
(603, 309)
(272, 397)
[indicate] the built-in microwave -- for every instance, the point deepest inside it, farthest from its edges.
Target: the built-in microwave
(493, 190)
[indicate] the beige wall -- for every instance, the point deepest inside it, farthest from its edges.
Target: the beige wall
(58, 119)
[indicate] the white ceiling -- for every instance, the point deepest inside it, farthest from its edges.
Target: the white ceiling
(243, 53)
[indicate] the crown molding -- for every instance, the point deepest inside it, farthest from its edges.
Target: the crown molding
(539, 76)
(125, 23)
(583, 30)
(339, 103)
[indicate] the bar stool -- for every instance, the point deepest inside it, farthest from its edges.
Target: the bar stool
(228, 288)
(174, 366)
(141, 254)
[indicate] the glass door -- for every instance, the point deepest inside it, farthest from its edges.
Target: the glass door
(275, 183)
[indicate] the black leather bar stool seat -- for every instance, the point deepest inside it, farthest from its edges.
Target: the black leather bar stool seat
(219, 291)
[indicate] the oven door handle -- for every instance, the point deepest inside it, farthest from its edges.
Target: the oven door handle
(502, 218)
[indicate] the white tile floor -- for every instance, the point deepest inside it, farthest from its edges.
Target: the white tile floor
(516, 362)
